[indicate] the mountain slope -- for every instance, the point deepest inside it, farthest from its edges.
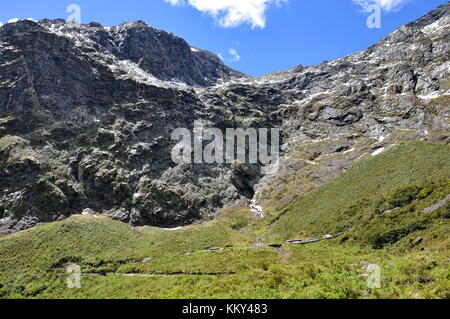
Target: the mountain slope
(378, 187)
(86, 116)
(119, 261)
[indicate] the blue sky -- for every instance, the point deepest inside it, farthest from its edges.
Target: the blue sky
(253, 36)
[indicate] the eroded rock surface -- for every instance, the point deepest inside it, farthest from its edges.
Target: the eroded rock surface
(87, 112)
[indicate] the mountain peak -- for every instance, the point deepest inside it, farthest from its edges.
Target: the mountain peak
(158, 53)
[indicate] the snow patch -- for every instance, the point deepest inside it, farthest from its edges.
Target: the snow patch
(173, 229)
(436, 27)
(350, 150)
(122, 69)
(378, 151)
(257, 209)
(381, 138)
(431, 96)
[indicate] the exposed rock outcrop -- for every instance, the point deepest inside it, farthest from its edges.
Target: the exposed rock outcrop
(87, 112)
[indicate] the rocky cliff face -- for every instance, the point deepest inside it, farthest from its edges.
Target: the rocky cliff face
(86, 115)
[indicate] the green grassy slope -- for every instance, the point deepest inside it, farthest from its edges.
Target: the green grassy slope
(379, 201)
(345, 200)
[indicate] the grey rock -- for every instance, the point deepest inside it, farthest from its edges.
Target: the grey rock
(438, 205)
(86, 115)
(417, 241)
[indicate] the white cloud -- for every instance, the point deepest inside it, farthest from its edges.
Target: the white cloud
(386, 5)
(232, 13)
(235, 57)
(1, 24)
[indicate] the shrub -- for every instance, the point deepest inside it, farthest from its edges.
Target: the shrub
(35, 288)
(403, 196)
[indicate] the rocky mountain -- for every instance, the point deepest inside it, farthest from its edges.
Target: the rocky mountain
(87, 112)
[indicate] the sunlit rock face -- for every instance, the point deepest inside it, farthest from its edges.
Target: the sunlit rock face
(87, 112)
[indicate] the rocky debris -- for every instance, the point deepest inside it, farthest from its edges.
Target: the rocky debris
(258, 242)
(121, 215)
(417, 241)
(314, 240)
(295, 241)
(87, 112)
(438, 205)
(88, 212)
